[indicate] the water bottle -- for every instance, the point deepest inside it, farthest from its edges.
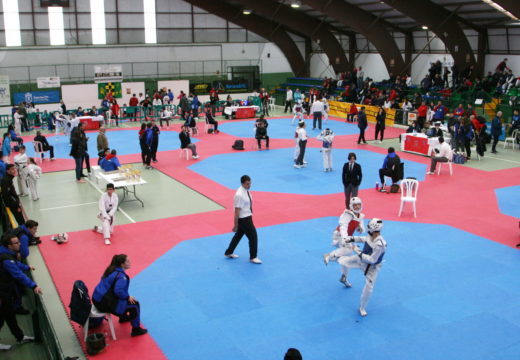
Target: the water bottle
(377, 186)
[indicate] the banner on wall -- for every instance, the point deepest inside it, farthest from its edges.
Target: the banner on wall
(230, 86)
(37, 97)
(200, 88)
(5, 93)
(48, 82)
(108, 73)
(114, 87)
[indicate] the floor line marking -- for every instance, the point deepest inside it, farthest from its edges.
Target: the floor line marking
(492, 157)
(68, 206)
(119, 207)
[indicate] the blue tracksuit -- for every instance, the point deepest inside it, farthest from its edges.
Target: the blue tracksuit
(15, 268)
(109, 165)
(122, 282)
(385, 162)
(2, 169)
(25, 238)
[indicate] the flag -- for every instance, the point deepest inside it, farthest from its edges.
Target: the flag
(104, 88)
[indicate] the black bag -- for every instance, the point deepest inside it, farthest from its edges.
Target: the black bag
(394, 188)
(80, 303)
(238, 145)
(210, 131)
(16, 148)
(108, 303)
(95, 343)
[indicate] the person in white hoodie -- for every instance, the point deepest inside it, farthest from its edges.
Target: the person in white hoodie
(326, 137)
(108, 203)
(443, 154)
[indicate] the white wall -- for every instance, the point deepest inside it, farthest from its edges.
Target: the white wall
(373, 66)
(320, 66)
(513, 63)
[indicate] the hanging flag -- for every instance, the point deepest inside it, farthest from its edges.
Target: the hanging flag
(105, 88)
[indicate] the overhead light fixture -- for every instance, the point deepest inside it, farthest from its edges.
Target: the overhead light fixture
(500, 8)
(247, 12)
(424, 27)
(295, 4)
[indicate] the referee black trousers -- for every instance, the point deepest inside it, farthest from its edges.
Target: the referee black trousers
(245, 226)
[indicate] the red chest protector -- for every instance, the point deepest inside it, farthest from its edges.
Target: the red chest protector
(352, 226)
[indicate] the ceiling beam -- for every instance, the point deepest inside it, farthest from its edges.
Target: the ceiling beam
(265, 28)
(441, 22)
(301, 23)
(510, 5)
(363, 22)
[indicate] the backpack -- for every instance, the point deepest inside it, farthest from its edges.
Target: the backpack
(238, 145)
(458, 159)
(394, 188)
(80, 303)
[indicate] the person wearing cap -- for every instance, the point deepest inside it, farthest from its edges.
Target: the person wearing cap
(369, 260)
(108, 203)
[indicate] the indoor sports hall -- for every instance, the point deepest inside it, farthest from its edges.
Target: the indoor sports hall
(446, 288)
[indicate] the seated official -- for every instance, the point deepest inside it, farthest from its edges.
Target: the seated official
(191, 123)
(413, 128)
(211, 120)
(45, 144)
(443, 154)
(261, 132)
(14, 137)
(436, 131)
(390, 167)
(184, 137)
(110, 162)
(166, 115)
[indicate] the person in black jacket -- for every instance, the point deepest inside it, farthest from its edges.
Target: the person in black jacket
(155, 140)
(380, 123)
(184, 137)
(78, 150)
(362, 125)
(261, 132)
(351, 176)
(45, 144)
(9, 195)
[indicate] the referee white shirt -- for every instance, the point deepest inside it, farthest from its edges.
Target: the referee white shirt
(317, 106)
(243, 201)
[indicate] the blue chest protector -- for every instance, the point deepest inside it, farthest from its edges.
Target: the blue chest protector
(367, 250)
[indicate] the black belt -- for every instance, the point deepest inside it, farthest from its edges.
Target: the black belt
(366, 270)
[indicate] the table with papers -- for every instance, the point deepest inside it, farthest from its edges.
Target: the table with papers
(128, 185)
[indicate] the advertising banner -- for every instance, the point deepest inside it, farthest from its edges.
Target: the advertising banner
(108, 73)
(230, 86)
(48, 82)
(37, 97)
(5, 93)
(200, 88)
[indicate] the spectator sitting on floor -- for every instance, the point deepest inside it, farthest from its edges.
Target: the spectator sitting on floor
(390, 167)
(443, 154)
(184, 137)
(110, 162)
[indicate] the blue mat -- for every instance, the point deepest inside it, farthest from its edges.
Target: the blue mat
(126, 142)
(509, 200)
(272, 170)
(282, 128)
(431, 300)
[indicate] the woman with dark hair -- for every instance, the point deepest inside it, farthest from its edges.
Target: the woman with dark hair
(142, 142)
(111, 294)
(293, 354)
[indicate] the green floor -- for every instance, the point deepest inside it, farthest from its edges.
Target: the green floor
(66, 206)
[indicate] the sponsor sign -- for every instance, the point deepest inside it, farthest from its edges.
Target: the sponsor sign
(108, 73)
(48, 82)
(229, 86)
(37, 97)
(200, 88)
(5, 93)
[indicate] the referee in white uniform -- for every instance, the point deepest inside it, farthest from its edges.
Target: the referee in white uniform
(243, 221)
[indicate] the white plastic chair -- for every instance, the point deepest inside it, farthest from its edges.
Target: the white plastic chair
(109, 119)
(272, 101)
(38, 150)
(95, 313)
(511, 139)
(184, 153)
(449, 163)
(208, 126)
(409, 188)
